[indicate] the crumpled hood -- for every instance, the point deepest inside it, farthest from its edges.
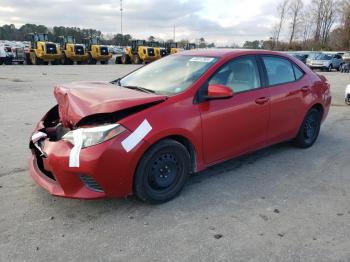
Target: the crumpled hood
(80, 99)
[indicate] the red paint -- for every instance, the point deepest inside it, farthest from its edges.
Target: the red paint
(218, 129)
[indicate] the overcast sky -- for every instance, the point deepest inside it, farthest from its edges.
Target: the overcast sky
(219, 21)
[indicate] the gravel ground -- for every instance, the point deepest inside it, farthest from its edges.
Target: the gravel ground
(278, 204)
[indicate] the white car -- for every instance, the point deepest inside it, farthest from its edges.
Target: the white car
(6, 55)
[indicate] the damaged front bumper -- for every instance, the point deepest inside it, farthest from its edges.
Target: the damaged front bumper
(105, 170)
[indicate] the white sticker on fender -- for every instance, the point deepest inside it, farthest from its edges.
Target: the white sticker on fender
(135, 137)
(75, 152)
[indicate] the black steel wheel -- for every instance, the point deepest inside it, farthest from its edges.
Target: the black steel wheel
(309, 129)
(162, 172)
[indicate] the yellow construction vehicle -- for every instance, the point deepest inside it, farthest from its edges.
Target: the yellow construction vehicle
(190, 46)
(138, 53)
(159, 50)
(171, 48)
(96, 51)
(41, 51)
(72, 52)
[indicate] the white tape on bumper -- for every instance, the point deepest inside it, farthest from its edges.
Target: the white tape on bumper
(135, 137)
(74, 155)
(37, 136)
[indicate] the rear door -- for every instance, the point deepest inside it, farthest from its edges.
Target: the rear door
(239, 124)
(288, 88)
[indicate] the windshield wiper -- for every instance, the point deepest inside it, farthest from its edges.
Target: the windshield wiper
(117, 81)
(141, 89)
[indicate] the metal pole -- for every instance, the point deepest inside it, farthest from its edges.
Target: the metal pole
(174, 33)
(121, 17)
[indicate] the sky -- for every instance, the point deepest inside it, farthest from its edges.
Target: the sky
(220, 21)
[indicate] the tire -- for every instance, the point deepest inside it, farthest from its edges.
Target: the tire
(162, 172)
(1, 61)
(45, 63)
(347, 100)
(137, 60)
(79, 62)
(103, 62)
(329, 69)
(28, 60)
(125, 59)
(118, 60)
(21, 62)
(92, 61)
(309, 130)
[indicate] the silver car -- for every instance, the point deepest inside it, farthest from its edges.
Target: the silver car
(325, 61)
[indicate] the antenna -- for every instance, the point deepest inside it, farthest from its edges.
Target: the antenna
(121, 16)
(174, 32)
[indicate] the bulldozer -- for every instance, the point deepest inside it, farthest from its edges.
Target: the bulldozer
(41, 51)
(72, 52)
(96, 51)
(138, 53)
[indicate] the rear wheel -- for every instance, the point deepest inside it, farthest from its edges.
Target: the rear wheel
(309, 130)
(118, 60)
(92, 61)
(162, 172)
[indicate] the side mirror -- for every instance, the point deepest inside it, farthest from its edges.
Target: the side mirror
(219, 92)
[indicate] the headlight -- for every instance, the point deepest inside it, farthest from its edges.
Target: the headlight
(94, 135)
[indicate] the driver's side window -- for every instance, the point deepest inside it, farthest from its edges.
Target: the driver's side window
(240, 75)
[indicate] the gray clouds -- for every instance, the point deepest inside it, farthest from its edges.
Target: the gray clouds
(193, 18)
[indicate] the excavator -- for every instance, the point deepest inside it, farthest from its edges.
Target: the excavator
(96, 51)
(72, 52)
(138, 53)
(41, 51)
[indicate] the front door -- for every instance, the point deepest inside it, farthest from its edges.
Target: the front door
(239, 124)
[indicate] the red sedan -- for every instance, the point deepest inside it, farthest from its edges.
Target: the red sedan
(143, 134)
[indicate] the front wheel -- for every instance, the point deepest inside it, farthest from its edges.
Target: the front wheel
(329, 69)
(347, 100)
(162, 172)
(309, 130)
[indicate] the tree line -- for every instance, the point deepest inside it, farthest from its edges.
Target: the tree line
(319, 25)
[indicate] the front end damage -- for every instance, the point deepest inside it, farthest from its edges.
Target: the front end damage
(105, 170)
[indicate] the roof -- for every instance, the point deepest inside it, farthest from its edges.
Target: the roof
(226, 52)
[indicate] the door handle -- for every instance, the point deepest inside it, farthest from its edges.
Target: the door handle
(261, 100)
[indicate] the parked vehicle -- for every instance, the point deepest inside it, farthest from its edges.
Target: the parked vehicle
(96, 51)
(18, 55)
(345, 67)
(347, 95)
(42, 51)
(144, 134)
(6, 55)
(72, 52)
(326, 62)
(300, 56)
(138, 53)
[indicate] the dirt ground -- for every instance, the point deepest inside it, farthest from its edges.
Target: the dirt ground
(278, 204)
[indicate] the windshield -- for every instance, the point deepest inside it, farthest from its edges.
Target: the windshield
(170, 75)
(323, 57)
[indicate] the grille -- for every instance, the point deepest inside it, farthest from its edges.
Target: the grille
(150, 51)
(40, 163)
(51, 49)
(104, 50)
(91, 183)
(79, 50)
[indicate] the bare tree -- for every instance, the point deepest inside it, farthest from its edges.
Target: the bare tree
(282, 15)
(325, 13)
(295, 9)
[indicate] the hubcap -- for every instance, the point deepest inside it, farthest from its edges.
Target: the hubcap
(310, 126)
(164, 171)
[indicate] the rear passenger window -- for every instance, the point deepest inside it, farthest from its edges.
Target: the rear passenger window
(297, 72)
(279, 70)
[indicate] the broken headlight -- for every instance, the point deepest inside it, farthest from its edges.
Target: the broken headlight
(94, 135)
